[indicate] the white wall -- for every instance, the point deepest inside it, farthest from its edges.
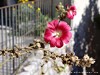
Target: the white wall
(81, 5)
(98, 4)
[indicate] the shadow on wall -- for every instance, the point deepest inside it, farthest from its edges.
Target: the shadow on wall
(87, 39)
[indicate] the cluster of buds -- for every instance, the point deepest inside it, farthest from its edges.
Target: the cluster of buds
(86, 61)
(70, 59)
(18, 51)
(37, 44)
(63, 13)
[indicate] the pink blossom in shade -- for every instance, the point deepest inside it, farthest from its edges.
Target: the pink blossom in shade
(57, 33)
(71, 12)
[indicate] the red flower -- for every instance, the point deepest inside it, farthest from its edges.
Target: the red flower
(71, 12)
(57, 33)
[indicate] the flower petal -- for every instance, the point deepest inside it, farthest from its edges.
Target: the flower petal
(66, 37)
(59, 43)
(72, 7)
(64, 26)
(53, 42)
(47, 35)
(70, 15)
(53, 24)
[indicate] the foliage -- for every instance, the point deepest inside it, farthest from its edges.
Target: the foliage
(41, 22)
(29, 19)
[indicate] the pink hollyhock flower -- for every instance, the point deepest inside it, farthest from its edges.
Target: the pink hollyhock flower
(71, 12)
(57, 33)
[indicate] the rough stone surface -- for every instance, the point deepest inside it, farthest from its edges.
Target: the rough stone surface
(35, 61)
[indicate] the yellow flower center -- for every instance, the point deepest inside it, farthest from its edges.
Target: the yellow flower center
(57, 34)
